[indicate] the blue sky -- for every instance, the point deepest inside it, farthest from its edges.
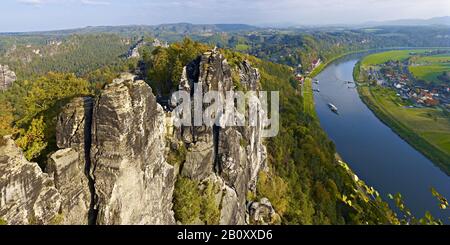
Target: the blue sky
(32, 15)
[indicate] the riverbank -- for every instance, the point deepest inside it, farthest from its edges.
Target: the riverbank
(308, 98)
(322, 66)
(308, 93)
(374, 152)
(393, 116)
(411, 135)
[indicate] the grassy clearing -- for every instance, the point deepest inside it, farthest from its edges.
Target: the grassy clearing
(308, 98)
(242, 47)
(441, 139)
(426, 129)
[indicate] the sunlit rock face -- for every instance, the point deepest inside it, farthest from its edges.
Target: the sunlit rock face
(27, 195)
(69, 166)
(7, 77)
(230, 156)
(133, 182)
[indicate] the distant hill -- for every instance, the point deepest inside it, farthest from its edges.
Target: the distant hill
(445, 20)
(176, 28)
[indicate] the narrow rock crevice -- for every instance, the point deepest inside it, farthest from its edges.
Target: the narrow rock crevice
(216, 137)
(88, 110)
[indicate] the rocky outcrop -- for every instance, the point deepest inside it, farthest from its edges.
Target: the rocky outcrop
(66, 176)
(232, 209)
(133, 52)
(72, 185)
(262, 213)
(27, 195)
(133, 182)
(234, 155)
(110, 168)
(158, 43)
(70, 165)
(111, 165)
(7, 77)
(249, 76)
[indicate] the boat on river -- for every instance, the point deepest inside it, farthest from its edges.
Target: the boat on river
(333, 108)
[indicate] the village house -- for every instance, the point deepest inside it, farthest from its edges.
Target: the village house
(315, 64)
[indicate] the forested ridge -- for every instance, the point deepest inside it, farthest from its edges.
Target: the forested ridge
(78, 54)
(295, 47)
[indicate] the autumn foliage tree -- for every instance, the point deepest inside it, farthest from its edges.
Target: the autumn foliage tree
(33, 141)
(29, 109)
(165, 65)
(7, 118)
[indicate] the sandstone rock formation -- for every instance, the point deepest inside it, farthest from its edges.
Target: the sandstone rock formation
(110, 168)
(7, 77)
(262, 213)
(27, 195)
(66, 175)
(234, 155)
(70, 165)
(133, 182)
(112, 164)
(159, 43)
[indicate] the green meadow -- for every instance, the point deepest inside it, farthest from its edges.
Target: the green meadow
(242, 47)
(308, 97)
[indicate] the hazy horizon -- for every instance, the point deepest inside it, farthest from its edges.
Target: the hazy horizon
(42, 15)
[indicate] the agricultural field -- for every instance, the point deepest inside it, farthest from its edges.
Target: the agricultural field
(429, 68)
(440, 58)
(429, 74)
(395, 55)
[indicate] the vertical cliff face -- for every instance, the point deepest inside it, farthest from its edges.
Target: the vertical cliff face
(112, 164)
(27, 195)
(65, 185)
(133, 182)
(68, 166)
(231, 157)
(7, 77)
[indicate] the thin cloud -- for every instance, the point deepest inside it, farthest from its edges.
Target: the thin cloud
(42, 2)
(31, 2)
(91, 2)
